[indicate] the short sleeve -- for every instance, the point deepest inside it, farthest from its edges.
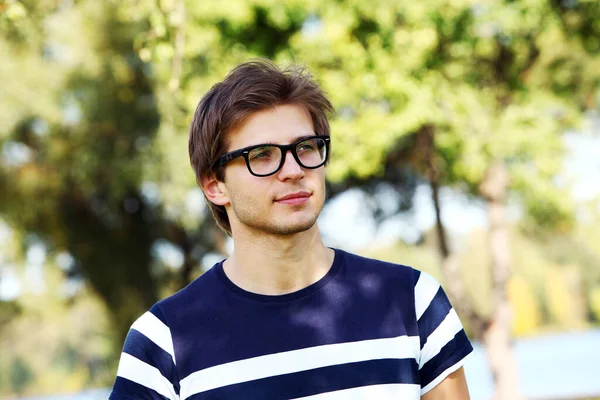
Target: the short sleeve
(147, 365)
(444, 343)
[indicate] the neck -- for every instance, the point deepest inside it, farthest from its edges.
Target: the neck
(275, 265)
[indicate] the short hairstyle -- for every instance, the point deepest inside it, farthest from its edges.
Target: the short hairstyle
(250, 87)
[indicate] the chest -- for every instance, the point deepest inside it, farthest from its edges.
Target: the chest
(300, 352)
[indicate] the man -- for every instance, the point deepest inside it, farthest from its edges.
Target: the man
(285, 317)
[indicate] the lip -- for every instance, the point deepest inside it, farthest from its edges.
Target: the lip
(294, 198)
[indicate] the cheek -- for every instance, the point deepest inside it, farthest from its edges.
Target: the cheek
(320, 179)
(248, 189)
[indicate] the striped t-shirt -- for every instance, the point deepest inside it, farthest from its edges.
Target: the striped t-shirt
(367, 330)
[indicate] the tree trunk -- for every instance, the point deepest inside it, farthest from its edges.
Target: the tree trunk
(451, 271)
(495, 332)
(449, 261)
(497, 339)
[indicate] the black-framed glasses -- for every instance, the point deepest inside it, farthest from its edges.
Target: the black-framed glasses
(266, 159)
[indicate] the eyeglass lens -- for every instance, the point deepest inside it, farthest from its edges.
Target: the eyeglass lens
(267, 159)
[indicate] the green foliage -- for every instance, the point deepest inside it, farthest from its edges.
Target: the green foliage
(595, 302)
(9, 310)
(20, 375)
(58, 342)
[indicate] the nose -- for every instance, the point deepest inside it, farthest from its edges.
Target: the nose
(290, 169)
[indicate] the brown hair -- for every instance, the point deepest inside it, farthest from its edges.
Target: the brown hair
(250, 87)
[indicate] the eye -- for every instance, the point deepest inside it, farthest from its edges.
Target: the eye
(306, 146)
(261, 153)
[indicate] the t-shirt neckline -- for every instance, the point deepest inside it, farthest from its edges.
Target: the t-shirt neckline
(282, 298)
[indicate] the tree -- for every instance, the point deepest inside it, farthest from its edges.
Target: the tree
(78, 158)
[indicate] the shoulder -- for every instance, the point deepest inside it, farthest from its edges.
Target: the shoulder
(158, 319)
(423, 287)
(364, 267)
(395, 282)
(199, 295)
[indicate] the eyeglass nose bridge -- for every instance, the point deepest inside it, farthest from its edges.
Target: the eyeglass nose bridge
(293, 150)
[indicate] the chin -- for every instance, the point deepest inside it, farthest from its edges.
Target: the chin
(290, 228)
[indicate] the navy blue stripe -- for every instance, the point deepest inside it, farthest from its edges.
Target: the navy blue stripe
(158, 314)
(450, 354)
(125, 389)
(433, 316)
(147, 351)
(319, 380)
(416, 274)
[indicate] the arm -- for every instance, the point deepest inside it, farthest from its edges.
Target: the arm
(454, 387)
(444, 344)
(147, 366)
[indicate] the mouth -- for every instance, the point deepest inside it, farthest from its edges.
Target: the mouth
(294, 198)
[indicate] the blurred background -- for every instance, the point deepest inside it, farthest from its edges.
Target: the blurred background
(466, 143)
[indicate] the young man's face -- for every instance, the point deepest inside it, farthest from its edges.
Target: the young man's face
(263, 203)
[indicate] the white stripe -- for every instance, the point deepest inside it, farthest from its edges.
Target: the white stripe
(146, 375)
(425, 290)
(394, 391)
(444, 374)
(443, 334)
(154, 329)
(401, 347)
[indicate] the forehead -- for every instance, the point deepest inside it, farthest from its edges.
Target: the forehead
(282, 125)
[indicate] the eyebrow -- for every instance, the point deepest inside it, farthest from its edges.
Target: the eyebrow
(296, 139)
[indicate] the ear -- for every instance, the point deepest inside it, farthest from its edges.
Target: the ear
(215, 190)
